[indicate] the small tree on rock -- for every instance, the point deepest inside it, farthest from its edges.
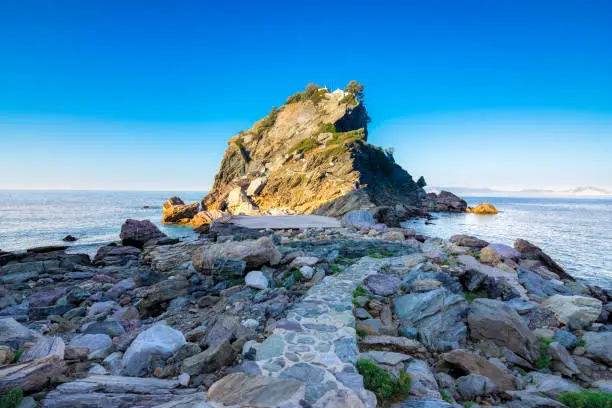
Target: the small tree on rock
(356, 89)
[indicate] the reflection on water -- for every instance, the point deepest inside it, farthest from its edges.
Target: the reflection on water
(576, 232)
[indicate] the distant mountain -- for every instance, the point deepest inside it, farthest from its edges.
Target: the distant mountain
(587, 191)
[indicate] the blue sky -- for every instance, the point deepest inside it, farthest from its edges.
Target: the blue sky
(144, 94)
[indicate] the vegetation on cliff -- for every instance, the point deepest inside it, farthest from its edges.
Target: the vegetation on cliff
(312, 155)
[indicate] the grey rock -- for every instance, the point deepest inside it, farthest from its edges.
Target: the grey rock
(424, 383)
(383, 285)
(540, 287)
(114, 391)
(136, 233)
(358, 219)
(468, 241)
(208, 361)
(599, 346)
(417, 402)
(437, 315)
(385, 357)
(112, 328)
(562, 361)
(474, 385)
(14, 333)
(44, 347)
(493, 320)
(256, 390)
(548, 385)
(93, 342)
(523, 399)
(159, 340)
(567, 339)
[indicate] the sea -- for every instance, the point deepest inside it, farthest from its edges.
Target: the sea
(576, 232)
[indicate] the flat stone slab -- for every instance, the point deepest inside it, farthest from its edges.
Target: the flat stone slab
(285, 221)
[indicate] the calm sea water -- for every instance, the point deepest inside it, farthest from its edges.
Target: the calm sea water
(35, 218)
(576, 232)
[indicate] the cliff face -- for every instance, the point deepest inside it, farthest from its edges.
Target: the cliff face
(309, 156)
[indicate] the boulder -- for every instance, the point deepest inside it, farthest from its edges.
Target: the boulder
(505, 283)
(493, 320)
(209, 360)
(424, 383)
(14, 333)
(530, 251)
(255, 253)
(577, 312)
(238, 202)
(151, 297)
(207, 217)
(383, 285)
(483, 209)
(122, 392)
(437, 315)
(258, 391)
(561, 360)
(44, 347)
(468, 241)
(358, 219)
(92, 342)
(488, 256)
(256, 280)
(599, 346)
(539, 287)
(548, 385)
(167, 258)
(525, 399)
(32, 376)
(136, 233)
(504, 251)
(176, 212)
(113, 255)
(158, 340)
(469, 363)
(474, 385)
(45, 297)
(445, 201)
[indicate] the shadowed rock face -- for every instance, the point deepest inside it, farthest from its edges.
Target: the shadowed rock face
(309, 157)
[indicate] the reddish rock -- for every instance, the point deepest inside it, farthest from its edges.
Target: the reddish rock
(136, 233)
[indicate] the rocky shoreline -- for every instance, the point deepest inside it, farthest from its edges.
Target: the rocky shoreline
(320, 317)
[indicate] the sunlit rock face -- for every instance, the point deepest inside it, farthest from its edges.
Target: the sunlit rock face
(310, 156)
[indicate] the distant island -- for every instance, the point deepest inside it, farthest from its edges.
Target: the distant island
(587, 191)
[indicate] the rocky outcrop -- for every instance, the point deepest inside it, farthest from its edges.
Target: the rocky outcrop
(136, 233)
(175, 211)
(445, 201)
(530, 251)
(310, 156)
(483, 209)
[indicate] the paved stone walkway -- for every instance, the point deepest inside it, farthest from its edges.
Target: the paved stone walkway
(317, 342)
(285, 221)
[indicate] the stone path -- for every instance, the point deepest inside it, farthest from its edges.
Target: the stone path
(285, 221)
(317, 342)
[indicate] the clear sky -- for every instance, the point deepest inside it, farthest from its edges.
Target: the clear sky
(110, 94)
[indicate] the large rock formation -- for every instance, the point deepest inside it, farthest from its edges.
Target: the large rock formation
(310, 156)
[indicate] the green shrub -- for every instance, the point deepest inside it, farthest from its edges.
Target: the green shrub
(334, 268)
(586, 399)
(445, 397)
(544, 360)
(298, 276)
(360, 291)
(305, 145)
(380, 382)
(312, 92)
(356, 89)
(472, 296)
(469, 404)
(361, 332)
(11, 397)
(379, 253)
(18, 354)
(581, 343)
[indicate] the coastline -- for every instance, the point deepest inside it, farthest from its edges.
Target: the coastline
(238, 306)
